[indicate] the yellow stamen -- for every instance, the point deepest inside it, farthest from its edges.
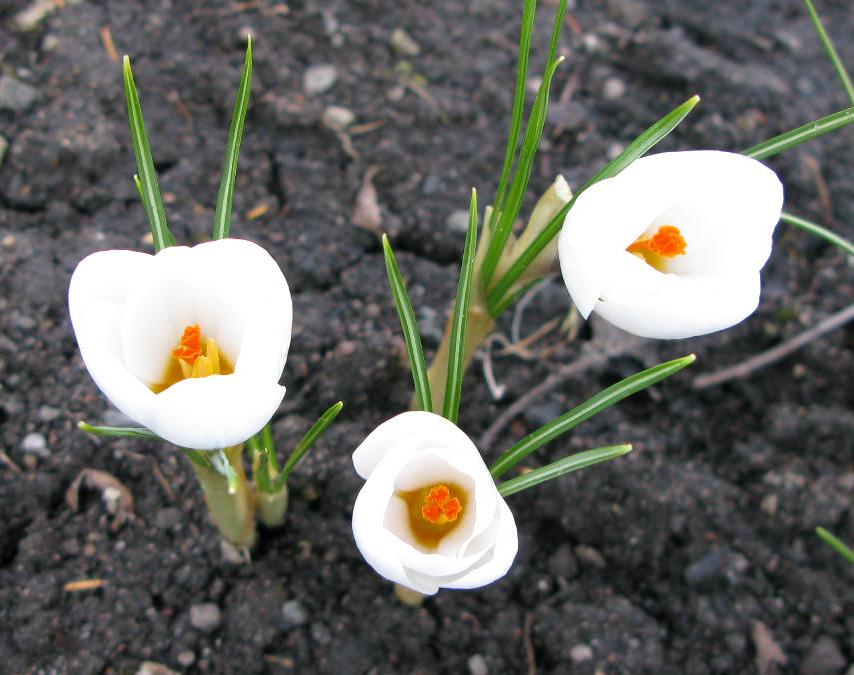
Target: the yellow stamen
(434, 511)
(194, 356)
(656, 250)
(212, 353)
(202, 367)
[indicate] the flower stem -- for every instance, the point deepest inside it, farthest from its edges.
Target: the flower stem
(232, 512)
(272, 507)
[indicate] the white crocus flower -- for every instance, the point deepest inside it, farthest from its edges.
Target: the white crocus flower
(672, 246)
(429, 515)
(190, 342)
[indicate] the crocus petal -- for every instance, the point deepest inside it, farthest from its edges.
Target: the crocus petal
(214, 412)
(502, 555)
(96, 296)
(725, 206)
(424, 427)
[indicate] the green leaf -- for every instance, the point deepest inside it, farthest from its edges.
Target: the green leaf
(637, 148)
(219, 463)
(831, 51)
(317, 429)
(132, 432)
(800, 135)
(146, 175)
(507, 215)
(818, 231)
(262, 471)
(511, 298)
(457, 353)
(836, 544)
(593, 406)
(409, 325)
(561, 467)
(527, 29)
(222, 217)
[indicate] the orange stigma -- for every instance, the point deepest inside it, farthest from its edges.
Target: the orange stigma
(440, 507)
(668, 242)
(191, 345)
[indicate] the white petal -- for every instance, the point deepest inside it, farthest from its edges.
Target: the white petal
(606, 218)
(96, 299)
(503, 553)
(214, 412)
(232, 288)
(645, 302)
(423, 428)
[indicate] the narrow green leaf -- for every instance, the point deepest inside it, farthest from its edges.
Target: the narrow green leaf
(197, 457)
(637, 148)
(262, 472)
(561, 467)
(269, 444)
(132, 432)
(836, 544)
(800, 135)
(511, 298)
(317, 429)
(457, 353)
(527, 29)
(818, 231)
(831, 51)
(409, 325)
(593, 406)
(519, 185)
(222, 217)
(147, 176)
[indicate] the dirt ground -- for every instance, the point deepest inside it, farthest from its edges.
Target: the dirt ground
(693, 555)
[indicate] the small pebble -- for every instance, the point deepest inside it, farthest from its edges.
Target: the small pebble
(168, 517)
(581, 653)
(562, 562)
(111, 497)
(320, 78)
(206, 617)
(293, 614)
(404, 44)
(824, 658)
(186, 658)
(614, 88)
(769, 504)
(320, 634)
(458, 221)
(30, 18)
(337, 117)
(706, 567)
(9, 241)
(477, 665)
(589, 555)
(15, 95)
(35, 444)
(153, 668)
(48, 413)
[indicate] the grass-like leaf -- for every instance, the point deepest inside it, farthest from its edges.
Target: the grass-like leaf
(132, 432)
(818, 231)
(409, 325)
(147, 183)
(836, 544)
(527, 29)
(831, 51)
(593, 406)
(306, 442)
(561, 467)
(222, 217)
(800, 135)
(637, 148)
(457, 354)
(499, 234)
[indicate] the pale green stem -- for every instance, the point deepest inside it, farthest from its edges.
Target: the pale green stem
(272, 507)
(233, 513)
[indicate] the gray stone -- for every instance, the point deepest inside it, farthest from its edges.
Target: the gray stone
(168, 517)
(320, 633)
(707, 567)
(186, 658)
(590, 556)
(36, 12)
(154, 668)
(337, 117)
(320, 78)
(404, 44)
(581, 653)
(293, 614)
(477, 665)
(824, 658)
(458, 221)
(562, 562)
(47, 413)
(35, 444)
(15, 95)
(206, 617)
(613, 88)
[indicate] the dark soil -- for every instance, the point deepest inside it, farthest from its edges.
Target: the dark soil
(696, 554)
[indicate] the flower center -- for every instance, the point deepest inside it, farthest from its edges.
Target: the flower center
(656, 250)
(195, 356)
(434, 511)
